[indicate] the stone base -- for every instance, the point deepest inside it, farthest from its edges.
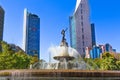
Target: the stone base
(58, 73)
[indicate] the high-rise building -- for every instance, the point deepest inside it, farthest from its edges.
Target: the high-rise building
(108, 48)
(80, 28)
(2, 12)
(95, 52)
(93, 34)
(31, 34)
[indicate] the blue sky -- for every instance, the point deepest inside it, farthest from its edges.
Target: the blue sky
(54, 15)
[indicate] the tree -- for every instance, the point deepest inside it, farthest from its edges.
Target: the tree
(6, 49)
(22, 60)
(108, 62)
(118, 65)
(97, 61)
(34, 59)
(10, 59)
(91, 62)
(6, 59)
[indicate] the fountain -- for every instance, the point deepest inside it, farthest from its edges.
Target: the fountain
(69, 66)
(67, 57)
(64, 48)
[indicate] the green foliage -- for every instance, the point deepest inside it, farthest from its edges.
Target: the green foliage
(22, 60)
(107, 55)
(118, 56)
(107, 62)
(6, 49)
(34, 59)
(97, 61)
(10, 59)
(91, 62)
(118, 65)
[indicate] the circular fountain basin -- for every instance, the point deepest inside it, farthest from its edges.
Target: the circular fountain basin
(58, 74)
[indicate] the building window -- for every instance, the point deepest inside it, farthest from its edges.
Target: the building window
(83, 43)
(81, 23)
(81, 5)
(82, 30)
(81, 11)
(81, 17)
(83, 50)
(82, 37)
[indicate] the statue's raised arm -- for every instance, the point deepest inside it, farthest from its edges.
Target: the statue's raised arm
(63, 32)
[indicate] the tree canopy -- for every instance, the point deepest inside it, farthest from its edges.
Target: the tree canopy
(9, 59)
(107, 62)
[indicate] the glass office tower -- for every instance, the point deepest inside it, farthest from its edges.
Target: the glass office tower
(95, 52)
(80, 27)
(31, 34)
(2, 12)
(93, 34)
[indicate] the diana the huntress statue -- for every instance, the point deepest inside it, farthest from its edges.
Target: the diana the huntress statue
(63, 42)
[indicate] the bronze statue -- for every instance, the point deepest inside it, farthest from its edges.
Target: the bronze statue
(63, 33)
(63, 42)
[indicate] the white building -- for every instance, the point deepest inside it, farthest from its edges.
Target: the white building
(80, 28)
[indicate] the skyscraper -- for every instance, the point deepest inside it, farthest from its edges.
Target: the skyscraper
(31, 34)
(80, 28)
(93, 34)
(2, 12)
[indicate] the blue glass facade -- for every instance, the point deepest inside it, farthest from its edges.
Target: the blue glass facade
(32, 36)
(95, 52)
(114, 50)
(2, 13)
(72, 31)
(108, 48)
(93, 34)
